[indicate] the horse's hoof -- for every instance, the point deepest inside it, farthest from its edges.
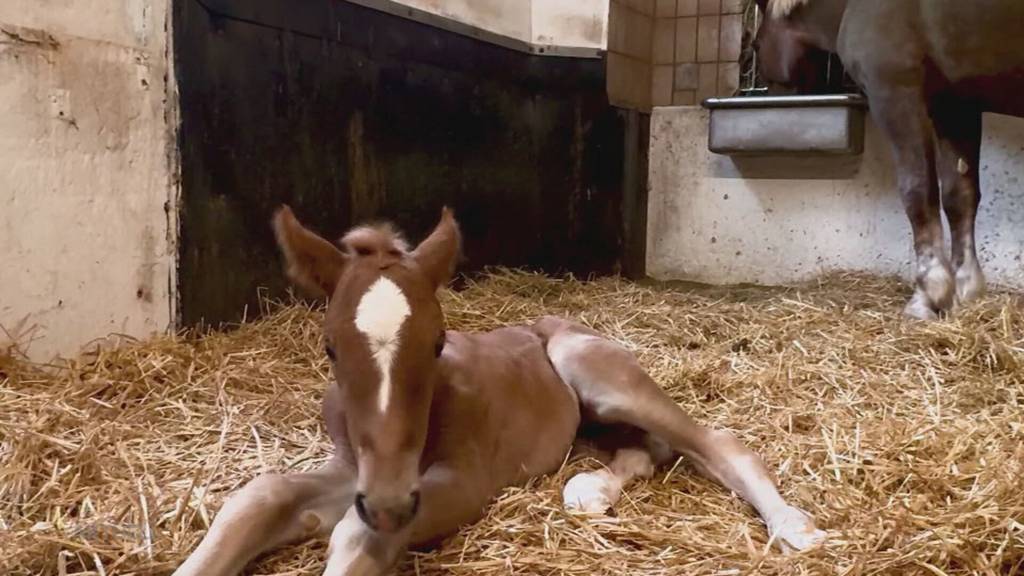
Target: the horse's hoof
(591, 492)
(936, 285)
(970, 284)
(920, 309)
(794, 530)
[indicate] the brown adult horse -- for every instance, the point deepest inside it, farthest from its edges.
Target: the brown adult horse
(428, 425)
(929, 69)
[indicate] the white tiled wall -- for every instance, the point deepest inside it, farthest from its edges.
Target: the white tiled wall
(673, 52)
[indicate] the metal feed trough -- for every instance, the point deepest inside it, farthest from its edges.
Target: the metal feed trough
(787, 125)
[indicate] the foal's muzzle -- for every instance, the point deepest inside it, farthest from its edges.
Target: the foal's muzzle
(385, 515)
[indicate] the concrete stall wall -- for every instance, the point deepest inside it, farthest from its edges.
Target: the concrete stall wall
(720, 220)
(510, 18)
(578, 23)
(349, 113)
(87, 196)
(540, 23)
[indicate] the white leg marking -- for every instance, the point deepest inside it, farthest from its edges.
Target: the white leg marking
(592, 492)
(347, 553)
(962, 167)
(935, 288)
(937, 282)
(794, 530)
(379, 316)
(970, 280)
(919, 308)
(597, 492)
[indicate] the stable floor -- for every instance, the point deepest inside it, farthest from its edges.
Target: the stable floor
(904, 440)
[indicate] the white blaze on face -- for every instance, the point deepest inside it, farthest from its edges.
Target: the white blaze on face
(379, 316)
(782, 8)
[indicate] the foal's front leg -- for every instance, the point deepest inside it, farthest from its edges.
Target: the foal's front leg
(356, 550)
(450, 498)
(272, 510)
(614, 388)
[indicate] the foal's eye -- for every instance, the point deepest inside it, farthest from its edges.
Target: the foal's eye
(330, 353)
(439, 346)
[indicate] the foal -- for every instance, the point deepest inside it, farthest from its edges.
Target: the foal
(429, 425)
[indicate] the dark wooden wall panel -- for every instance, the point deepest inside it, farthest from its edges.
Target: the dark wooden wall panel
(348, 114)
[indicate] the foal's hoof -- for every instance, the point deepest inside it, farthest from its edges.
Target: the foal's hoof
(793, 530)
(591, 492)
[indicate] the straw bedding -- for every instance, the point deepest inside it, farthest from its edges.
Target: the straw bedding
(905, 441)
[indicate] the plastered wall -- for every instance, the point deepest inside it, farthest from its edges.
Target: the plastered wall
(718, 220)
(540, 23)
(87, 202)
(507, 17)
(582, 23)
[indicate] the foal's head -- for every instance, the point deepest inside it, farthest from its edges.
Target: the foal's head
(384, 332)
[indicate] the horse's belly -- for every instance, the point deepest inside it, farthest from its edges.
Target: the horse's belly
(974, 50)
(977, 47)
(1000, 94)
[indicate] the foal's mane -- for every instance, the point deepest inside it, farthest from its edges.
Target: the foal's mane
(380, 240)
(782, 8)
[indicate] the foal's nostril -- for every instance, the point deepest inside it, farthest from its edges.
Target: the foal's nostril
(415, 503)
(390, 517)
(361, 510)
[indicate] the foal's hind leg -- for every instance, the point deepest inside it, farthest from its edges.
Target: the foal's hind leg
(627, 453)
(613, 387)
(958, 147)
(600, 491)
(272, 510)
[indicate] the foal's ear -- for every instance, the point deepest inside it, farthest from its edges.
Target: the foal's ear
(439, 252)
(314, 264)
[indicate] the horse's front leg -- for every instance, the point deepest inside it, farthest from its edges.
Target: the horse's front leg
(272, 510)
(903, 116)
(450, 497)
(958, 147)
